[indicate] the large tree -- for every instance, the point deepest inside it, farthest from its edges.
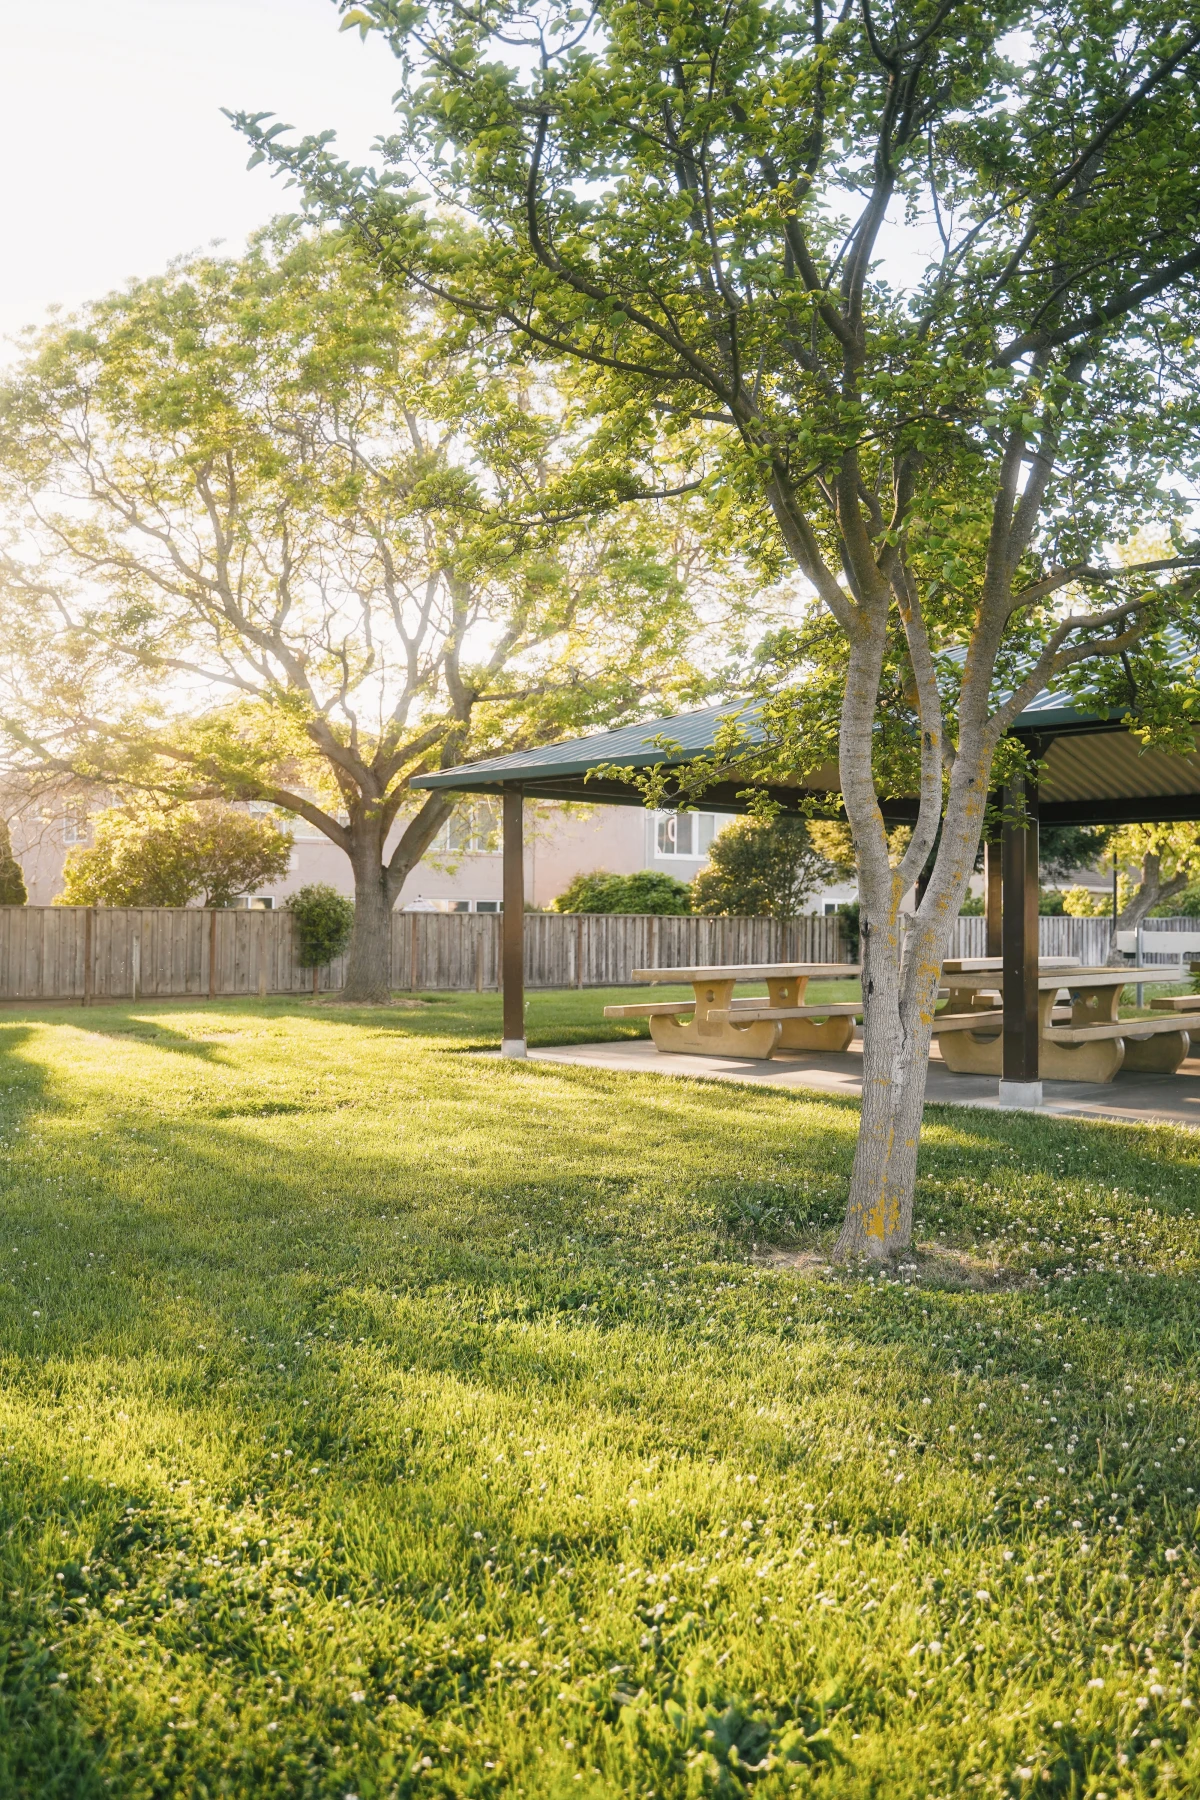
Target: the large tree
(924, 276)
(280, 536)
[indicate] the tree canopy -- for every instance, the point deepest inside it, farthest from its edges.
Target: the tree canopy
(278, 535)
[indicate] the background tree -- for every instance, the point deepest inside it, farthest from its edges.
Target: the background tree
(12, 880)
(760, 868)
(149, 856)
(1166, 859)
(1065, 849)
(646, 891)
(696, 202)
(278, 537)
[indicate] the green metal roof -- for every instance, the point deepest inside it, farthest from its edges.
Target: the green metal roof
(1096, 771)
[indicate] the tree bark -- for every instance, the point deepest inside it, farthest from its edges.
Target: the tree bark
(368, 967)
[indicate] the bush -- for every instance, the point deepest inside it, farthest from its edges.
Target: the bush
(645, 892)
(150, 856)
(324, 920)
(761, 868)
(851, 917)
(12, 881)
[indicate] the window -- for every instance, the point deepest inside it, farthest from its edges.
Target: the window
(77, 829)
(685, 834)
(473, 830)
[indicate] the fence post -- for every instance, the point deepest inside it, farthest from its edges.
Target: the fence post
(135, 964)
(212, 955)
(262, 955)
(412, 955)
(478, 964)
(579, 951)
(89, 955)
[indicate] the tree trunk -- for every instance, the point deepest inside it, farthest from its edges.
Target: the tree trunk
(368, 968)
(1152, 891)
(899, 995)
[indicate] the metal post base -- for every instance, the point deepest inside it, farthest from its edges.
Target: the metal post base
(513, 1047)
(1024, 1095)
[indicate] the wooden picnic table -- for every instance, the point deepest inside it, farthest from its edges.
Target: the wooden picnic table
(713, 1023)
(1087, 1041)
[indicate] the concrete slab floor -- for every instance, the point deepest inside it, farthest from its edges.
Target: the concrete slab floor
(1131, 1098)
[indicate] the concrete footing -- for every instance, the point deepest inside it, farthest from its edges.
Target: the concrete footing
(1024, 1096)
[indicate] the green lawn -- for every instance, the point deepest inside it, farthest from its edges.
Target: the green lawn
(381, 1419)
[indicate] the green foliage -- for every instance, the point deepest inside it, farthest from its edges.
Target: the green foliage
(527, 1305)
(1185, 905)
(1031, 322)
(760, 867)
(151, 857)
(324, 920)
(12, 880)
(851, 912)
(644, 892)
(368, 472)
(1063, 849)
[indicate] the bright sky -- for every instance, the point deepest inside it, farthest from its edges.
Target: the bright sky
(116, 153)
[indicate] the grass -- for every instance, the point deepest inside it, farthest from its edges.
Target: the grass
(380, 1419)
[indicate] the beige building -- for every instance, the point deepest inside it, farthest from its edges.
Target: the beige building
(461, 873)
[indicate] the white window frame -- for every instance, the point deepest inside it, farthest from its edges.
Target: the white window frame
(701, 829)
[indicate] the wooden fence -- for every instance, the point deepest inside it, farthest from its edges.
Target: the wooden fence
(90, 954)
(1088, 939)
(156, 953)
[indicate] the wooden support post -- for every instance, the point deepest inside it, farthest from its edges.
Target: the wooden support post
(1021, 1085)
(212, 955)
(478, 964)
(512, 926)
(579, 951)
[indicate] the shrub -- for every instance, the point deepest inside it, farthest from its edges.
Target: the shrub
(761, 867)
(149, 856)
(12, 881)
(645, 892)
(324, 920)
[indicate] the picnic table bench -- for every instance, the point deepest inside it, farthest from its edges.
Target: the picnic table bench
(714, 1023)
(1086, 1042)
